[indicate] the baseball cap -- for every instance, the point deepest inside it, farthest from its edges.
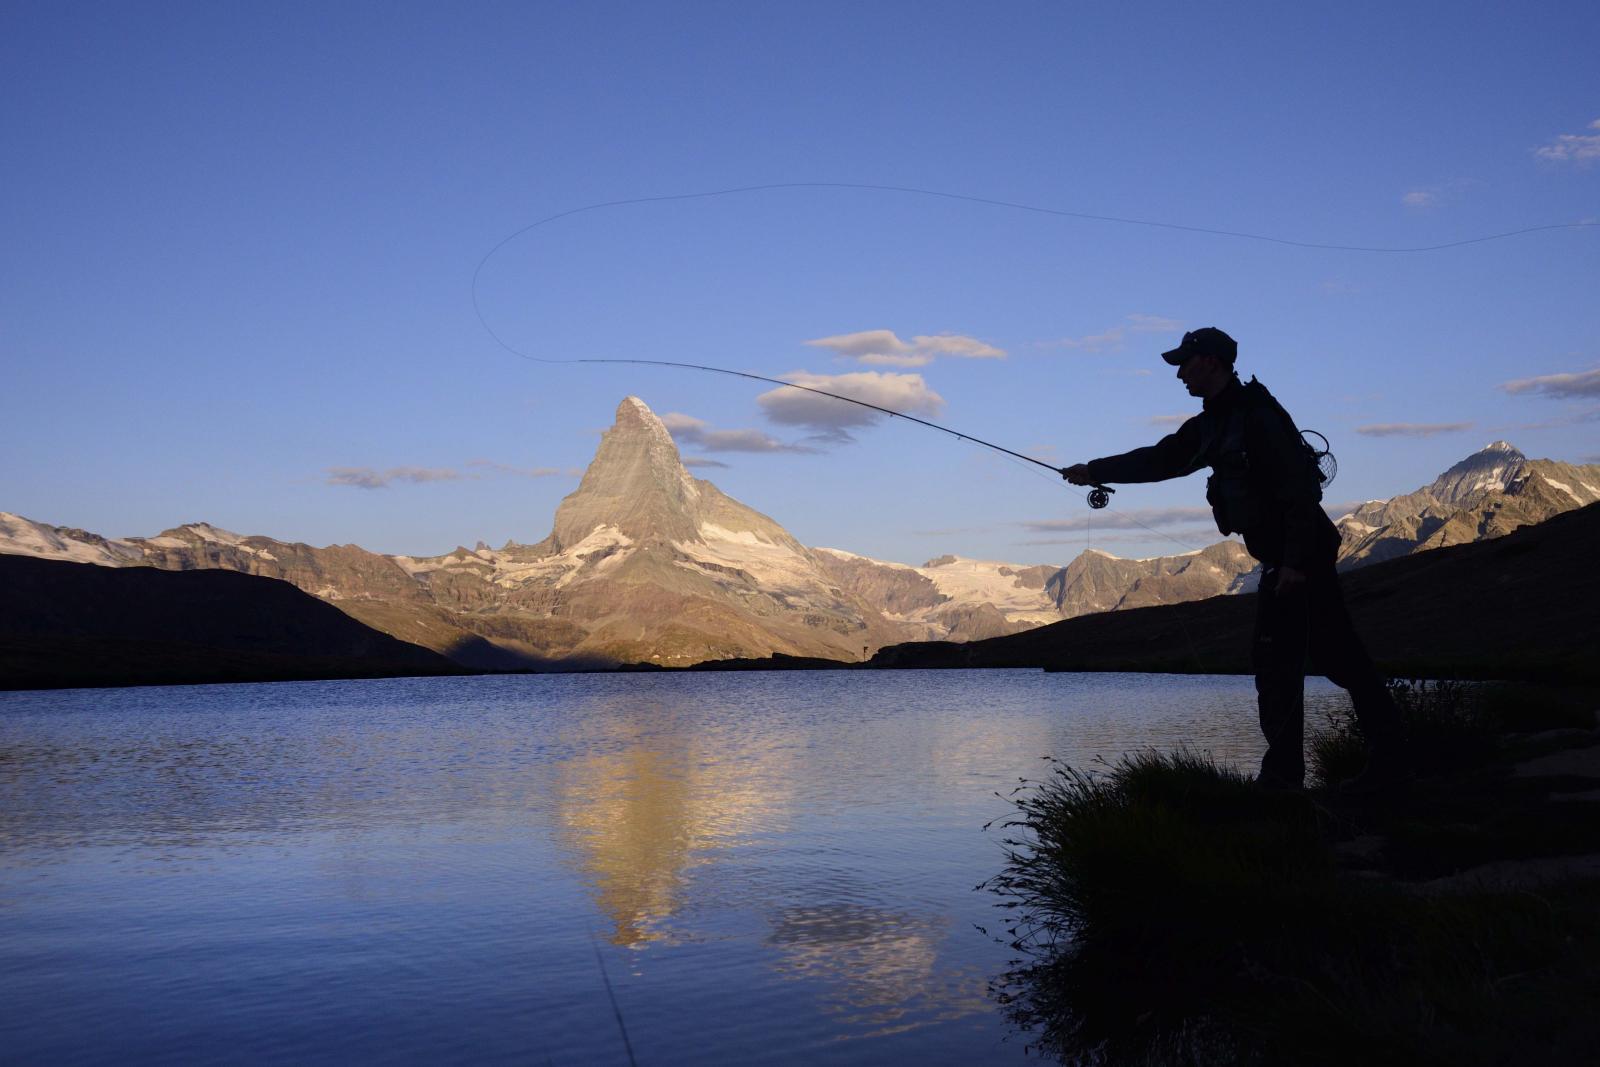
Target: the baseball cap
(1206, 341)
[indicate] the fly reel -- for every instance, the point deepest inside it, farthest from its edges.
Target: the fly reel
(1100, 496)
(1327, 465)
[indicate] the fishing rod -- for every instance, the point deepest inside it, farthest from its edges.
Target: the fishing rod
(1099, 496)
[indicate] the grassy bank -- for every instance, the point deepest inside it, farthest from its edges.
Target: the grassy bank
(1164, 910)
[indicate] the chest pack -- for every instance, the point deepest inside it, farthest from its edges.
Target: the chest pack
(1241, 489)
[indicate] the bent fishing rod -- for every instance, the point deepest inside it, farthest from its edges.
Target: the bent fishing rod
(1099, 496)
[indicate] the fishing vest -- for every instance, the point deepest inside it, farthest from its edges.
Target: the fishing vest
(1238, 491)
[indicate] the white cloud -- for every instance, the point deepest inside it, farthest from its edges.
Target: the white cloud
(702, 461)
(373, 478)
(1130, 519)
(888, 359)
(1573, 147)
(1153, 324)
(1095, 342)
(885, 348)
(954, 344)
(1572, 418)
(1169, 420)
(1411, 429)
(865, 343)
(1114, 337)
(1561, 386)
(686, 429)
(493, 467)
(1424, 197)
(830, 419)
(369, 478)
(1178, 540)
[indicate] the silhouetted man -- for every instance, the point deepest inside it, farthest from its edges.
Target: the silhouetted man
(1265, 485)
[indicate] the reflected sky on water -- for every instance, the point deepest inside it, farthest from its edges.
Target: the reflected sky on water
(771, 867)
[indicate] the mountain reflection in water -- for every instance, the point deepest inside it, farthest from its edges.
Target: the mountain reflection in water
(776, 868)
(656, 801)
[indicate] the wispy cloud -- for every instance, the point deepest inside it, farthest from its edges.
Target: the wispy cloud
(1116, 336)
(1572, 418)
(1130, 519)
(1582, 148)
(702, 461)
(1173, 543)
(1430, 196)
(1169, 420)
(830, 420)
(885, 348)
(371, 478)
(374, 478)
(1561, 386)
(1411, 429)
(489, 466)
(688, 430)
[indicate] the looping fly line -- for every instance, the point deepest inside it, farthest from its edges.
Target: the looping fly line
(1099, 497)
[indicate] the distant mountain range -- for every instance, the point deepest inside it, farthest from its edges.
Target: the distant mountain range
(1521, 606)
(645, 563)
(1488, 494)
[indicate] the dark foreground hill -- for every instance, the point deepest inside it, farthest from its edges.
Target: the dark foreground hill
(76, 624)
(1526, 605)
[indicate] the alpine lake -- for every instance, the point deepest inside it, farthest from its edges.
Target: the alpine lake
(720, 868)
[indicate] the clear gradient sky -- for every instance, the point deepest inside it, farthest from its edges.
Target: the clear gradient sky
(236, 243)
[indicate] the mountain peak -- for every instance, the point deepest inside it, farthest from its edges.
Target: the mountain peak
(1490, 469)
(636, 483)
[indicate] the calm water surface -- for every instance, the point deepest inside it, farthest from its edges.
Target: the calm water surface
(768, 868)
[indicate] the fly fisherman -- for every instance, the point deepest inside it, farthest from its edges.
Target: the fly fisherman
(1265, 485)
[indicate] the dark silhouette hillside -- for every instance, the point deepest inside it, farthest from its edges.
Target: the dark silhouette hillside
(76, 624)
(1523, 605)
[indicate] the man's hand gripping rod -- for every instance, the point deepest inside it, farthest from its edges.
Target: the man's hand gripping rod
(1078, 474)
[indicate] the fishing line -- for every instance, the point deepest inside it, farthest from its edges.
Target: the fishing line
(1096, 499)
(611, 995)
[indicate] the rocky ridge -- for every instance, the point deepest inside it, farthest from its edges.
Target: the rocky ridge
(1489, 494)
(645, 563)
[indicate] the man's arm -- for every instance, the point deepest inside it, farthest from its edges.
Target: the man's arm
(1173, 456)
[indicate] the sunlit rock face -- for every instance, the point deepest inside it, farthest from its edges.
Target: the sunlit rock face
(1096, 581)
(635, 485)
(1489, 494)
(645, 563)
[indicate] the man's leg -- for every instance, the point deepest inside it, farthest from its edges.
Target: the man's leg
(1338, 653)
(1279, 657)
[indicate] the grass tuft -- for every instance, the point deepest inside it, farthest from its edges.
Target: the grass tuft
(1165, 911)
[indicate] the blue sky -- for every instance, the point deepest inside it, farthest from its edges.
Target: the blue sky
(238, 244)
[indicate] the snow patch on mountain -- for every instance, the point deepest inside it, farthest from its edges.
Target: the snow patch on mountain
(972, 581)
(773, 567)
(24, 537)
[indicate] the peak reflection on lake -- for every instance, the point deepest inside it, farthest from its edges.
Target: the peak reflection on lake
(774, 867)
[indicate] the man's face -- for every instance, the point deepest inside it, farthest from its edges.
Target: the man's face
(1202, 375)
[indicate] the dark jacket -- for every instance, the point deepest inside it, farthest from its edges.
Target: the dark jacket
(1264, 483)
